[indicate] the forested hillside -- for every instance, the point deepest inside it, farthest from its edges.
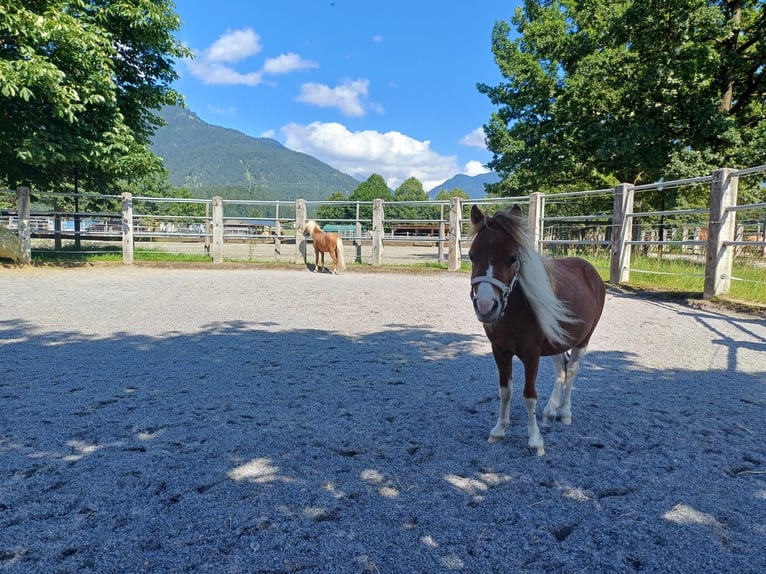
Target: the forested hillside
(211, 160)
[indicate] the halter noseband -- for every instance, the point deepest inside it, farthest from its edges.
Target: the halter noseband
(505, 288)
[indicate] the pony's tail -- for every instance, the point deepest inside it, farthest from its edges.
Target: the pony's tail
(339, 253)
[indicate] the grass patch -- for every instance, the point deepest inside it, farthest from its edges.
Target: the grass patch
(108, 254)
(680, 276)
(160, 256)
(71, 254)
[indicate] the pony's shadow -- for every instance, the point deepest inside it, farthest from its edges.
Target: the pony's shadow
(318, 269)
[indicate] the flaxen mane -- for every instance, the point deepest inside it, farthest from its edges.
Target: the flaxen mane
(536, 277)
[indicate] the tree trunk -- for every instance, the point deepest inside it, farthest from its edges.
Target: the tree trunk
(730, 46)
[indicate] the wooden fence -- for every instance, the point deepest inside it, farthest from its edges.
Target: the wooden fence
(619, 226)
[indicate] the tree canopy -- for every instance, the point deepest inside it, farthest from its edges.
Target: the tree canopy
(79, 83)
(600, 92)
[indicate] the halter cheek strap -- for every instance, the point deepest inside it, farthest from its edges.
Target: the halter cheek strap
(505, 288)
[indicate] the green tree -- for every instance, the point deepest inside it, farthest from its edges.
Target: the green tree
(336, 211)
(373, 188)
(601, 92)
(411, 189)
(156, 185)
(445, 195)
(79, 81)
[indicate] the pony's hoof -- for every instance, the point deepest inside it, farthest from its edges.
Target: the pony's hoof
(566, 419)
(549, 416)
(493, 439)
(537, 450)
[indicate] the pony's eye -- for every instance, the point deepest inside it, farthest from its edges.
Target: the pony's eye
(512, 260)
(470, 255)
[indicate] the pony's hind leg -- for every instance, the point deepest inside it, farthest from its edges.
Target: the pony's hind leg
(560, 403)
(334, 255)
(573, 366)
(551, 411)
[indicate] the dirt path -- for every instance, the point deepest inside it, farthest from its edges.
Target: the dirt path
(253, 420)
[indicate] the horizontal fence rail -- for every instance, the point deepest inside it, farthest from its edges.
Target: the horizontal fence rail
(612, 220)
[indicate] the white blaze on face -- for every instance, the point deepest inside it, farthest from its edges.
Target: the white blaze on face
(485, 294)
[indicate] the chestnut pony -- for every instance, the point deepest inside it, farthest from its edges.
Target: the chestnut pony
(325, 243)
(531, 306)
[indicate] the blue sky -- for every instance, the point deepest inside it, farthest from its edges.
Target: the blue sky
(367, 87)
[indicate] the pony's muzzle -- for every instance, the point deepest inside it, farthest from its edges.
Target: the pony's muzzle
(487, 310)
(490, 296)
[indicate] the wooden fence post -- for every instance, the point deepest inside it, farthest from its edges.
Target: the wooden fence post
(277, 234)
(300, 239)
(455, 260)
(377, 232)
(25, 230)
(217, 229)
(440, 247)
(358, 235)
(127, 228)
(721, 227)
(535, 218)
(619, 271)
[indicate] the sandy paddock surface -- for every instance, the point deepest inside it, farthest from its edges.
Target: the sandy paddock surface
(256, 420)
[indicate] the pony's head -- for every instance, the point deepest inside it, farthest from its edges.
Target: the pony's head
(498, 248)
(309, 228)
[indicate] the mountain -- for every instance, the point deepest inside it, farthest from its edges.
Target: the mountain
(472, 185)
(208, 158)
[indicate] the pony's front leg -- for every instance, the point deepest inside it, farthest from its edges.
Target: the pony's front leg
(505, 391)
(535, 442)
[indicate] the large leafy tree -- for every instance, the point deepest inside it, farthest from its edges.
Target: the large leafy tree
(335, 211)
(601, 92)
(374, 187)
(411, 189)
(79, 83)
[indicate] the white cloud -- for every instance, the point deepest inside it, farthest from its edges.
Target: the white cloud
(233, 46)
(350, 97)
(392, 155)
(286, 63)
(214, 65)
(377, 38)
(475, 138)
(220, 74)
(268, 134)
(474, 167)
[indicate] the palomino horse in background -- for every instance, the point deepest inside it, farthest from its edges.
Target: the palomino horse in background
(531, 306)
(325, 243)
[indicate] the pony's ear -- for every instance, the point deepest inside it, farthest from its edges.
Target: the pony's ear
(516, 210)
(476, 215)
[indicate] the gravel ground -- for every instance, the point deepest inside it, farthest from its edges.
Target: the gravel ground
(270, 420)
